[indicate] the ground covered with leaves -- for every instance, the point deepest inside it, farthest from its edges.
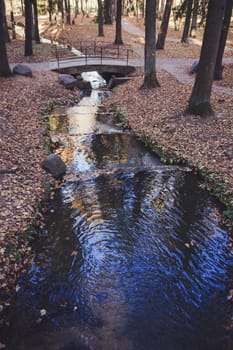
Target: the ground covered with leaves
(22, 148)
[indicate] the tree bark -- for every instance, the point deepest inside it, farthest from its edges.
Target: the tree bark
(36, 25)
(50, 9)
(164, 26)
(6, 32)
(100, 19)
(223, 39)
(150, 79)
(118, 37)
(67, 8)
(13, 25)
(28, 51)
(108, 11)
(199, 102)
(185, 35)
(194, 20)
(4, 65)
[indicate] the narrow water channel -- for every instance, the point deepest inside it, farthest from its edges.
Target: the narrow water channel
(132, 256)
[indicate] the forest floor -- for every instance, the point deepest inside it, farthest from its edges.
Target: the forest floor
(157, 113)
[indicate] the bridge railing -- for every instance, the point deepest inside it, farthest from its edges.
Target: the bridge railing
(93, 50)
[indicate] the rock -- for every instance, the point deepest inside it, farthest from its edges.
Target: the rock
(22, 69)
(82, 84)
(43, 131)
(54, 165)
(67, 80)
(194, 67)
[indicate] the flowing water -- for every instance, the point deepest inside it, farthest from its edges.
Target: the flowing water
(132, 256)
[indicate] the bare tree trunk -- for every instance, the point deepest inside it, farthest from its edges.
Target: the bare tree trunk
(4, 65)
(194, 20)
(76, 11)
(164, 26)
(6, 35)
(67, 9)
(185, 35)
(199, 102)
(108, 11)
(36, 25)
(150, 79)
(100, 19)
(118, 37)
(50, 9)
(28, 51)
(223, 39)
(13, 26)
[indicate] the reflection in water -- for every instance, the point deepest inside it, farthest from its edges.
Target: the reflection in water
(131, 259)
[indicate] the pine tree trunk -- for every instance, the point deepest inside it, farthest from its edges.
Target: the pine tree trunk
(108, 11)
(4, 65)
(35, 10)
(185, 35)
(199, 102)
(223, 39)
(194, 20)
(118, 38)
(100, 19)
(150, 79)
(164, 26)
(67, 8)
(28, 51)
(6, 34)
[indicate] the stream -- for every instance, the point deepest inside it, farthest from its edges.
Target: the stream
(132, 255)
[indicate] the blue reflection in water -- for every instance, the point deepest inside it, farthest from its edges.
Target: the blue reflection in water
(131, 261)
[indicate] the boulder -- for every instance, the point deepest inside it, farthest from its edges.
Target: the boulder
(54, 165)
(194, 67)
(67, 80)
(82, 84)
(22, 69)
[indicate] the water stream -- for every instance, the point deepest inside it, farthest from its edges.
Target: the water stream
(132, 256)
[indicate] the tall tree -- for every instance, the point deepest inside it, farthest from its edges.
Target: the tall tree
(28, 51)
(118, 38)
(185, 35)
(68, 15)
(100, 19)
(223, 39)
(194, 19)
(164, 26)
(150, 79)
(107, 11)
(4, 65)
(6, 35)
(35, 23)
(199, 102)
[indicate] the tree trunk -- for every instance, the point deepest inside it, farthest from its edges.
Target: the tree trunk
(6, 33)
(118, 38)
(50, 9)
(199, 102)
(4, 65)
(28, 51)
(194, 20)
(100, 19)
(36, 25)
(76, 11)
(108, 11)
(164, 26)
(185, 35)
(223, 39)
(13, 26)
(67, 9)
(150, 79)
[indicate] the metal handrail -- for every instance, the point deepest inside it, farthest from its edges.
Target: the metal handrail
(95, 51)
